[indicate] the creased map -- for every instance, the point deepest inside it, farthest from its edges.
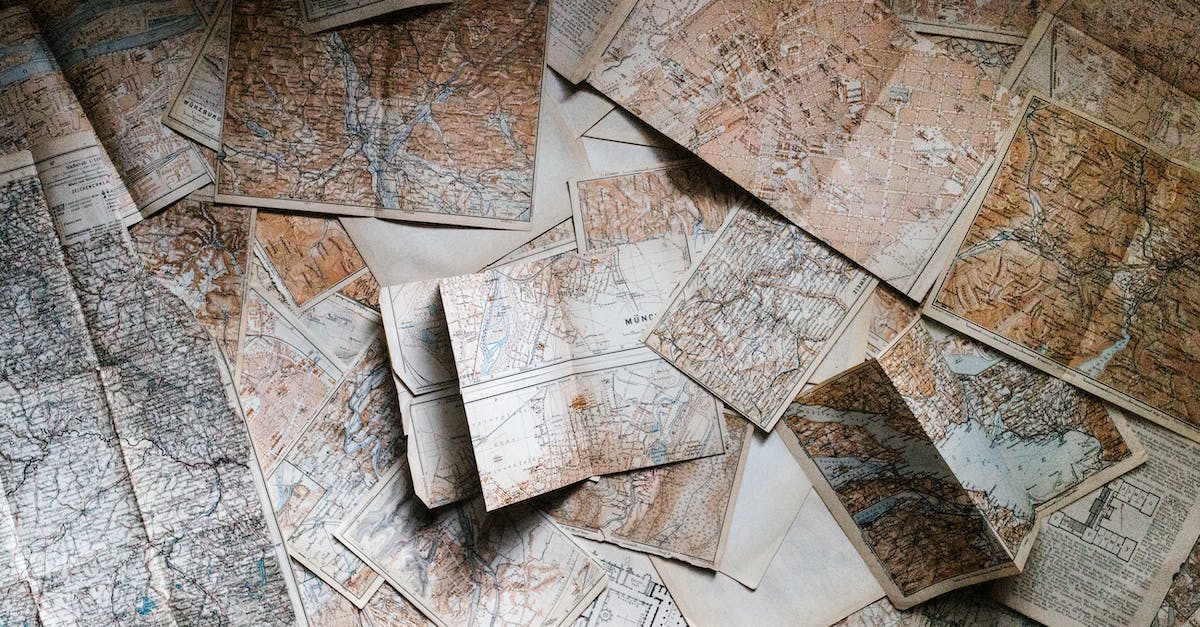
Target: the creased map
(132, 497)
(1080, 262)
(580, 31)
(837, 116)
(429, 115)
(349, 444)
(556, 385)
(689, 199)
(1158, 35)
(464, 566)
(202, 254)
(319, 15)
(1065, 63)
(940, 458)
(418, 338)
(681, 511)
(440, 456)
(758, 312)
(198, 106)
(124, 61)
(1003, 21)
(39, 112)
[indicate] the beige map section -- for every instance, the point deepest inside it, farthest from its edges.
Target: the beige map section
(758, 313)
(124, 61)
(1003, 21)
(1158, 35)
(285, 377)
(1089, 280)
(406, 118)
(198, 106)
(1065, 63)
(840, 118)
(311, 254)
(202, 254)
(681, 511)
(689, 200)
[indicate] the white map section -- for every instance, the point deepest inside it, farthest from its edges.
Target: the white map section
(557, 387)
(635, 596)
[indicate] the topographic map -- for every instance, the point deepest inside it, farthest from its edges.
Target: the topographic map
(1158, 36)
(556, 384)
(1065, 63)
(680, 511)
(690, 200)
(130, 497)
(464, 566)
(311, 255)
(349, 444)
(835, 115)
(947, 450)
(409, 117)
(1090, 280)
(1004, 21)
(125, 60)
(758, 313)
(202, 254)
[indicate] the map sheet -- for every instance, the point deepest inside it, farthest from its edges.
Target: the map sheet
(686, 199)
(967, 606)
(681, 511)
(1108, 559)
(860, 132)
(580, 31)
(39, 112)
(940, 458)
(634, 596)
(1079, 262)
(319, 15)
(441, 128)
(463, 565)
(128, 496)
(556, 385)
(1002, 21)
(1070, 66)
(349, 444)
(560, 238)
(1182, 604)
(311, 257)
(124, 61)
(758, 313)
(1158, 35)
(198, 106)
(201, 253)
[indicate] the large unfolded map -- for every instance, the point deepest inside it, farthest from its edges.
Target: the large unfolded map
(557, 387)
(1081, 262)
(832, 112)
(939, 458)
(758, 312)
(129, 485)
(427, 115)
